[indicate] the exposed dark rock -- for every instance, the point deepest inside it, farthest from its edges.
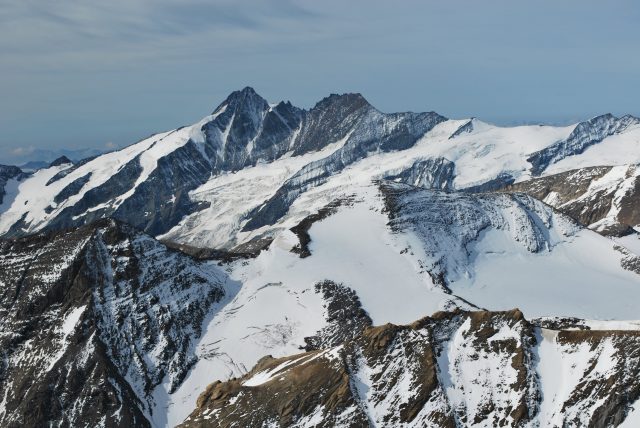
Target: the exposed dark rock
(62, 160)
(162, 200)
(69, 170)
(330, 120)
(629, 261)
(415, 374)
(464, 129)
(607, 397)
(302, 229)
(7, 173)
(501, 181)
(77, 215)
(582, 137)
(78, 312)
(283, 402)
(572, 193)
(435, 173)
(72, 189)
(561, 323)
(344, 314)
(246, 250)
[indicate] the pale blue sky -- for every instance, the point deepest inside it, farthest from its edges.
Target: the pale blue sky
(79, 74)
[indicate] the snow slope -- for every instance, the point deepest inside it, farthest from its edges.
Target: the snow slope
(480, 156)
(500, 251)
(618, 149)
(276, 308)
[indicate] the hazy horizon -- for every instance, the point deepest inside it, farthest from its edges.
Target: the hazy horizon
(101, 76)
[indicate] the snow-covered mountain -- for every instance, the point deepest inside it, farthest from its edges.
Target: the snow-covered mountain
(248, 162)
(131, 281)
(148, 184)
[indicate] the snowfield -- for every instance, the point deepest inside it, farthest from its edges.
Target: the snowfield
(277, 307)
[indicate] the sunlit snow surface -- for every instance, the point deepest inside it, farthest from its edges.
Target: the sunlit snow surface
(580, 276)
(633, 418)
(276, 307)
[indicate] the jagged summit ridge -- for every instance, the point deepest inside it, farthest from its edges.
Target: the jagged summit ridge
(147, 184)
(584, 135)
(174, 183)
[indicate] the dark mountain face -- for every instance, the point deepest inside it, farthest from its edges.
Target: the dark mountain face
(7, 173)
(60, 161)
(243, 131)
(330, 120)
(92, 320)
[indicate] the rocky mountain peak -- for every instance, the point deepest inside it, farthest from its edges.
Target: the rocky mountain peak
(584, 135)
(242, 100)
(62, 160)
(348, 101)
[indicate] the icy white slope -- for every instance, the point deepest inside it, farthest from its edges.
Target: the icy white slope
(486, 152)
(619, 149)
(232, 195)
(277, 306)
(484, 156)
(501, 251)
(562, 269)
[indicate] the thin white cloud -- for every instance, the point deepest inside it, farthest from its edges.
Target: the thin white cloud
(22, 151)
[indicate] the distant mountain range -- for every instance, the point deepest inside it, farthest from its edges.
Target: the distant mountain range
(41, 158)
(376, 258)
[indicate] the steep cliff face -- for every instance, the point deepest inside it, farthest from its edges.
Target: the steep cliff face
(7, 173)
(605, 198)
(481, 369)
(583, 136)
(92, 320)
